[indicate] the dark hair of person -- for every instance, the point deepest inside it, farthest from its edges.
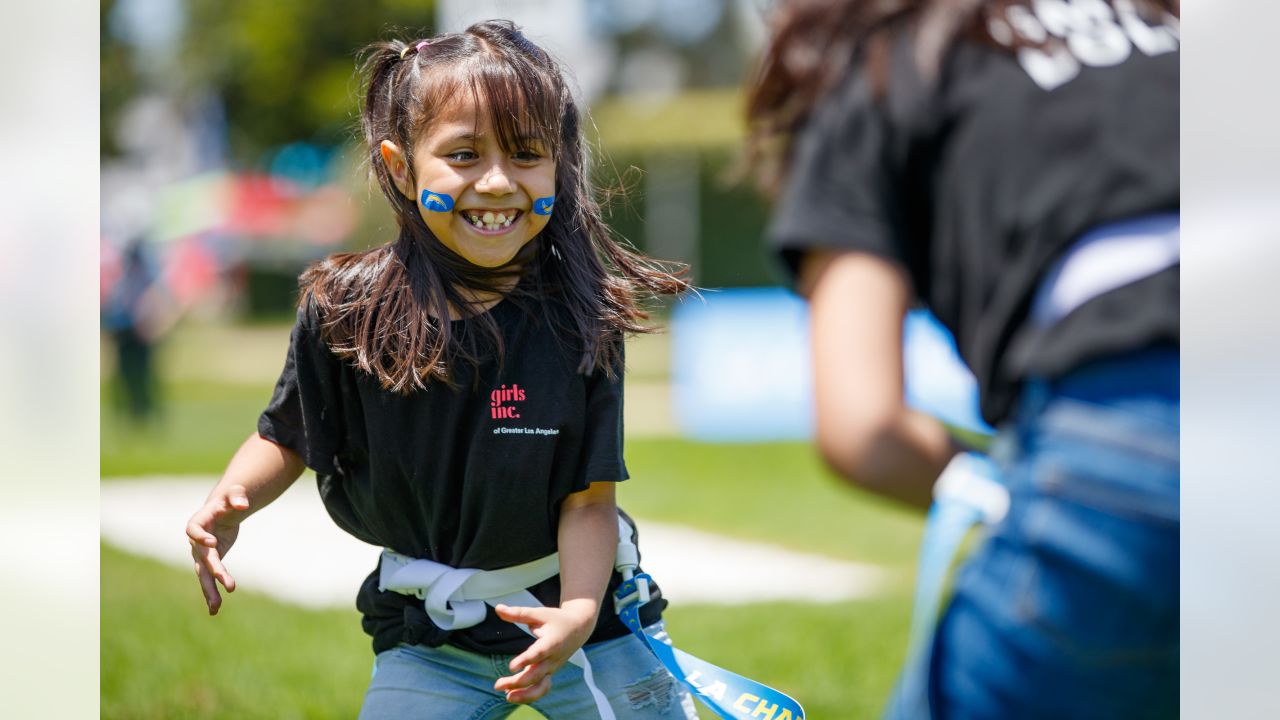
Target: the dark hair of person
(815, 43)
(387, 310)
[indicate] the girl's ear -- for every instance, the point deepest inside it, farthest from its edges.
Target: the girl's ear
(393, 158)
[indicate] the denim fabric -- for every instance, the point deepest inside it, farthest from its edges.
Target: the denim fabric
(1070, 608)
(447, 683)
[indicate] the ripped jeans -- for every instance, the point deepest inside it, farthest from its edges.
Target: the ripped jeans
(417, 681)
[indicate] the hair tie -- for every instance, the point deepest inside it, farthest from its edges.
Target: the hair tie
(416, 48)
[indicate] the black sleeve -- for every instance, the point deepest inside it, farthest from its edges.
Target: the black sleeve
(840, 190)
(602, 442)
(305, 411)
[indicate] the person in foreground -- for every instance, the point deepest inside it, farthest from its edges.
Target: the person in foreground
(458, 393)
(1013, 166)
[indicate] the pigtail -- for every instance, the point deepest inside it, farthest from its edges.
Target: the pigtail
(384, 116)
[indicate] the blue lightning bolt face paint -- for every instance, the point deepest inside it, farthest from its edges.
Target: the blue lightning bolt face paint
(544, 205)
(437, 202)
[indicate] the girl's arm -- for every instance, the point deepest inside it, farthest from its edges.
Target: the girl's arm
(588, 541)
(257, 474)
(865, 431)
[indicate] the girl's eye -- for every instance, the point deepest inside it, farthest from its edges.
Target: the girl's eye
(526, 156)
(462, 156)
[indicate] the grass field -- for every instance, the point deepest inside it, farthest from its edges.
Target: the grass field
(162, 657)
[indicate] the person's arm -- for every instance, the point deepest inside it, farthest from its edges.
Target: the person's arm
(588, 541)
(865, 431)
(257, 474)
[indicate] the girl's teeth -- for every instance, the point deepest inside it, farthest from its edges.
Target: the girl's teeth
(491, 221)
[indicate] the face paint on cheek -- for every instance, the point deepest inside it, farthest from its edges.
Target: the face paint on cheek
(437, 202)
(544, 205)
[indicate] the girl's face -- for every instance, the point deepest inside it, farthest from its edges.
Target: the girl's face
(477, 198)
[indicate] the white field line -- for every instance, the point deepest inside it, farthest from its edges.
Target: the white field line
(293, 552)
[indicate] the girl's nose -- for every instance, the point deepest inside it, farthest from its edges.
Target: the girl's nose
(496, 181)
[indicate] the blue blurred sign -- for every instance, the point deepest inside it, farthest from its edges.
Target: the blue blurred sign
(741, 371)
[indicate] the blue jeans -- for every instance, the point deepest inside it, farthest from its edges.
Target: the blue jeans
(1070, 608)
(447, 683)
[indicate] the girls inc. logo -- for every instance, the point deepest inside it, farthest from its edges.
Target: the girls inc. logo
(498, 399)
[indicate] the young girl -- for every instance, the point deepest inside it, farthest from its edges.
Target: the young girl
(458, 393)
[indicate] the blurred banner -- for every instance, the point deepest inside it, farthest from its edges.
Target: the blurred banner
(741, 372)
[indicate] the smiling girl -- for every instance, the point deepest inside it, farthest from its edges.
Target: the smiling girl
(458, 393)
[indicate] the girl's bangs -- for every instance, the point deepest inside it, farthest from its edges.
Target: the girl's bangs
(524, 104)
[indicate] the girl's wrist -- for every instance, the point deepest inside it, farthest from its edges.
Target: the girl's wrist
(584, 611)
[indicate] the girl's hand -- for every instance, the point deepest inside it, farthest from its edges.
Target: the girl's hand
(211, 532)
(559, 632)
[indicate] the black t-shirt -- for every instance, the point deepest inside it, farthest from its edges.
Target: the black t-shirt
(978, 181)
(471, 476)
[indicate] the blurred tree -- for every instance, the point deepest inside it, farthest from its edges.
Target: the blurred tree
(285, 69)
(118, 81)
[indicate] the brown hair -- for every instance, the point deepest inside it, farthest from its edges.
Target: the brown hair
(815, 43)
(387, 310)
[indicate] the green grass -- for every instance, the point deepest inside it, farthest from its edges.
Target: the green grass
(838, 660)
(775, 492)
(201, 426)
(163, 657)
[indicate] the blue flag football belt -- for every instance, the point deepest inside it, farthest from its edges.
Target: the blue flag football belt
(967, 494)
(728, 694)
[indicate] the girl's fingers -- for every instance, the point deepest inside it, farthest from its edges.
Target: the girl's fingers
(204, 544)
(212, 597)
(524, 615)
(209, 558)
(197, 533)
(537, 652)
(528, 695)
(224, 577)
(523, 679)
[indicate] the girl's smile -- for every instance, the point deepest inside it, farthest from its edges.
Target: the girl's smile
(479, 194)
(495, 221)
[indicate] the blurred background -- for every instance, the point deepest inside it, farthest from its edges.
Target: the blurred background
(226, 164)
(229, 162)
(227, 134)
